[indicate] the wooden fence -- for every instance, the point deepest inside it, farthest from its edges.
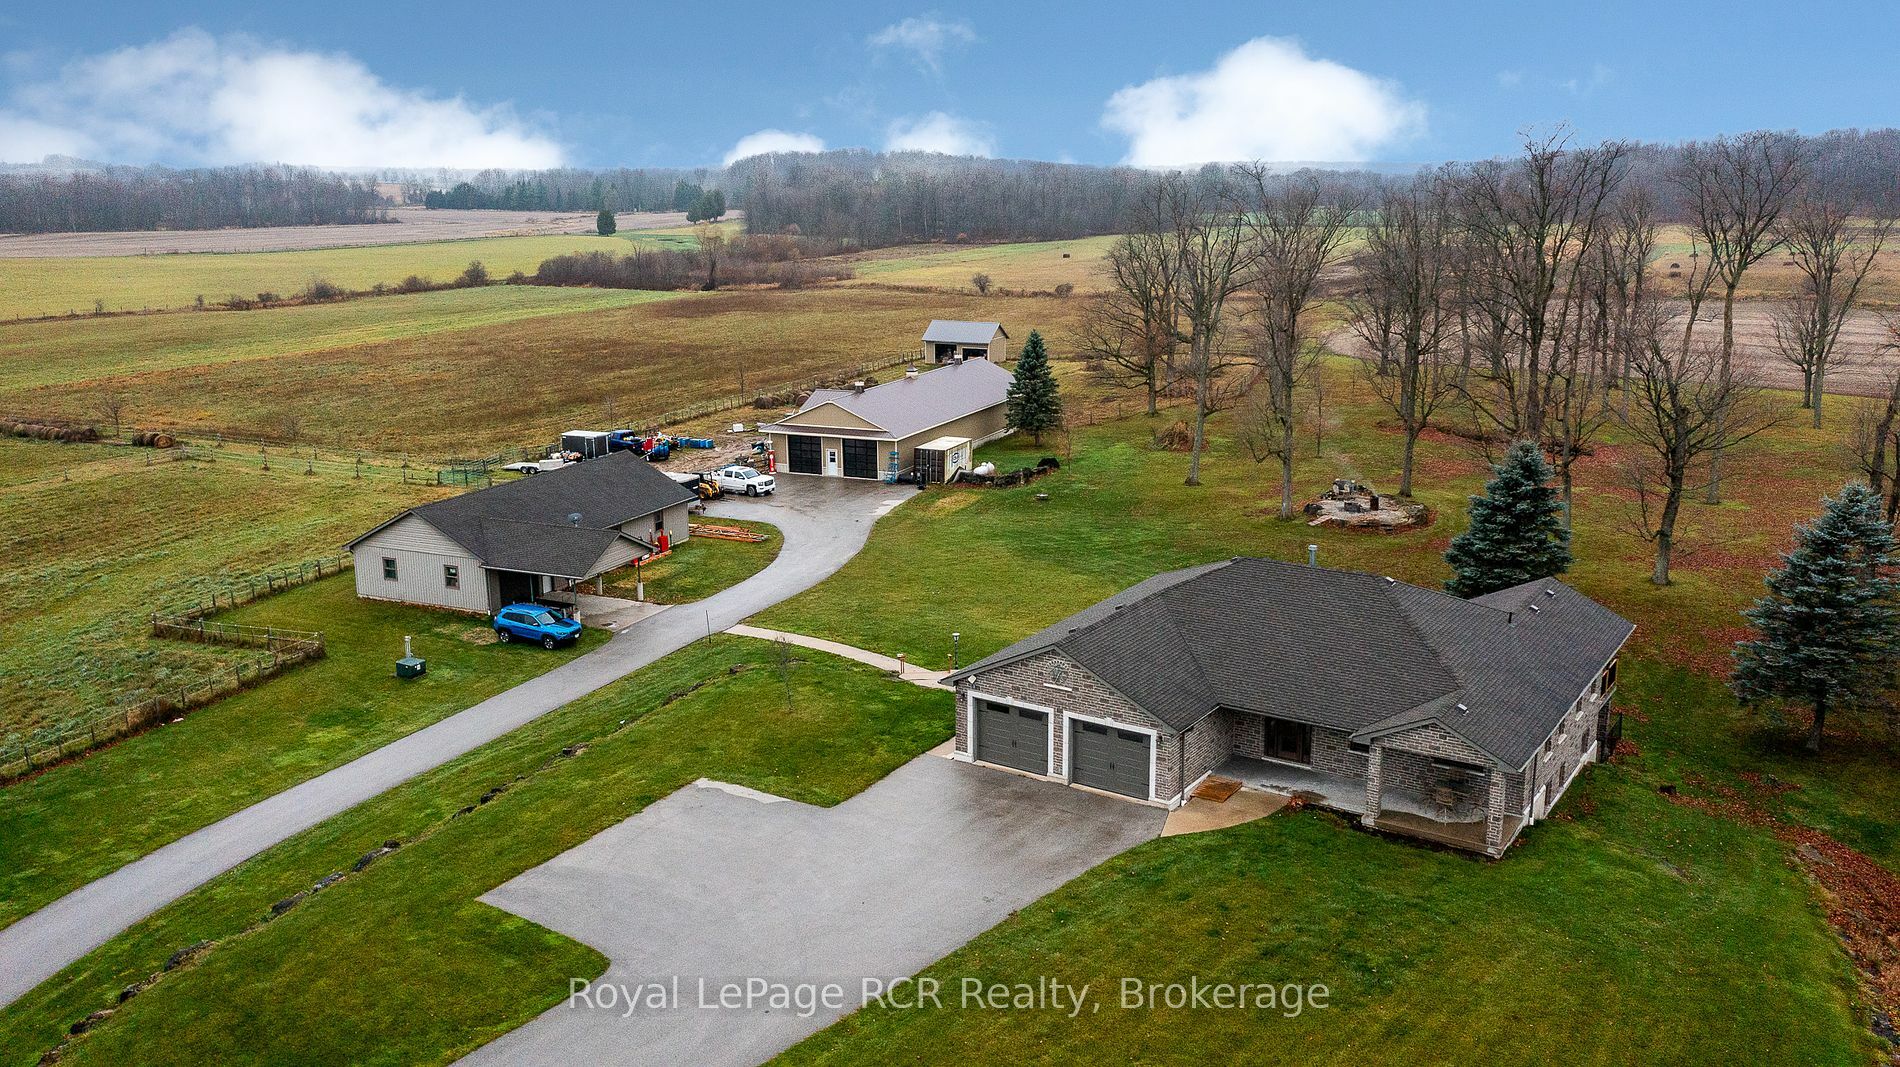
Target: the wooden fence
(244, 590)
(283, 649)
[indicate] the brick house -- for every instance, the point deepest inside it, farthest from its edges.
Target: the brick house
(1457, 721)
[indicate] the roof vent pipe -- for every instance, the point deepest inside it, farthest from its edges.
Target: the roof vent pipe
(910, 372)
(1312, 555)
(573, 518)
(857, 386)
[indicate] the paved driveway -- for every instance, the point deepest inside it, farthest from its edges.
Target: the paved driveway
(726, 884)
(825, 522)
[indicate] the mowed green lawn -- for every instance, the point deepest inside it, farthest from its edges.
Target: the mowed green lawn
(53, 286)
(703, 565)
(1628, 931)
(92, 540)
(82, 820)
(399, 963)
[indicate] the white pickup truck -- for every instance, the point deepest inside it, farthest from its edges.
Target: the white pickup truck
(738, 478)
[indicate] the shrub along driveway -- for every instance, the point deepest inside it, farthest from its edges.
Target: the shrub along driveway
(725, 885)
(824, 523)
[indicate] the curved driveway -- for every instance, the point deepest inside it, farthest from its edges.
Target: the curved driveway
(825, 522)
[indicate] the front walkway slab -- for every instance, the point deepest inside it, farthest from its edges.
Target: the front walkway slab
(717, 884)
(1200, 814)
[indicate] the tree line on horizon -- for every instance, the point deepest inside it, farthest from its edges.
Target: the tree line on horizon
(156, 198)
(849, 196)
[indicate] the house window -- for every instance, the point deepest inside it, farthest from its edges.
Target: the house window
(1359, 746)
(451, 576)
(389, 569)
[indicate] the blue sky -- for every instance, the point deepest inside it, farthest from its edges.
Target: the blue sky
(471, 84)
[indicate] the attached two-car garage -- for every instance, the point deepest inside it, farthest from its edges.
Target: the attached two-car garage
(1100, 755)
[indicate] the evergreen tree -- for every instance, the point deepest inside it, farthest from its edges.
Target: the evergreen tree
(1828, 630)
(1033, 405)
(1516, 534)
(604, 222)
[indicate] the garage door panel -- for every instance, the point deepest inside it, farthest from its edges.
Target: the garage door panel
(802, 454)
(1012, 737)
(1110, 758)
(860, 458)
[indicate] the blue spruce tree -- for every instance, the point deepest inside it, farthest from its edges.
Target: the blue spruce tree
(1828, 629)
(1516, 534)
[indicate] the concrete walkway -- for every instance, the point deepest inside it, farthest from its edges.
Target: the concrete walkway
(825, 523)
(897, 668)
(717, 884)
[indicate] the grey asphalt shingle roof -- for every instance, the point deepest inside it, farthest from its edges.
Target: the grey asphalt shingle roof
(523, 525)
(958, 332)
(1343, 649)
(909, 406)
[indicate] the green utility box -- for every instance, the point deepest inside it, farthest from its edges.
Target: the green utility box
(411, 667)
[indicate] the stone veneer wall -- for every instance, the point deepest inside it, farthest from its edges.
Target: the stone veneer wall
(1029, 681)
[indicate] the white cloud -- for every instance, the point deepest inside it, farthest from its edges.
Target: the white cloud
(938, 132)
(764, 141)
(195, 98)
(1510, 79)
(926, 38)
(1265, 100)
(24, 140)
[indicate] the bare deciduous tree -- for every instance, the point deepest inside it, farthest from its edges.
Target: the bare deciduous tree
(1131, 326)
(1834, 257)
(1683, 408)
(109, 405)
(1402, 306)
(1296, 227)
(1734, 190)
(1531, 224)
(1206, 239)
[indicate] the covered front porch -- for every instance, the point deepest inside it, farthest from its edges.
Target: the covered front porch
(1459, 806)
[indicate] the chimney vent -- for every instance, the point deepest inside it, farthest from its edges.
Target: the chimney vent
(858, 386)
(910, 372)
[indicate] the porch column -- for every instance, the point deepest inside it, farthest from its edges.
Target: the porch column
(1494, 813)
(1375, 783)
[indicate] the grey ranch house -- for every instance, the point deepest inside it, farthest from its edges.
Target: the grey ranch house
(952, 339)
(538, 537)
(932, 421)
(1456, 721)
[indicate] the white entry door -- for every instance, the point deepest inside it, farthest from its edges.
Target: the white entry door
(831, 462)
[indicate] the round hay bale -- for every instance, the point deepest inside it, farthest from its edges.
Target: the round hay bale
(163, 440)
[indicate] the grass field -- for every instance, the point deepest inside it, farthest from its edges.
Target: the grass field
(1032, 267)
(464, 391)
(104, 351)
(36, 287)
(76, 822)
(399, 963)
(92, 541)
(703, 566)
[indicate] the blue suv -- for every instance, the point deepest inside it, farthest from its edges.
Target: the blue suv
(532, 622)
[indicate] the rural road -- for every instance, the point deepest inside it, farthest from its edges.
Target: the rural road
(724, 885)
(825, 523)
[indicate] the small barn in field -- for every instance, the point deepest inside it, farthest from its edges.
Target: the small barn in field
(949, 339)
(523, 540)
